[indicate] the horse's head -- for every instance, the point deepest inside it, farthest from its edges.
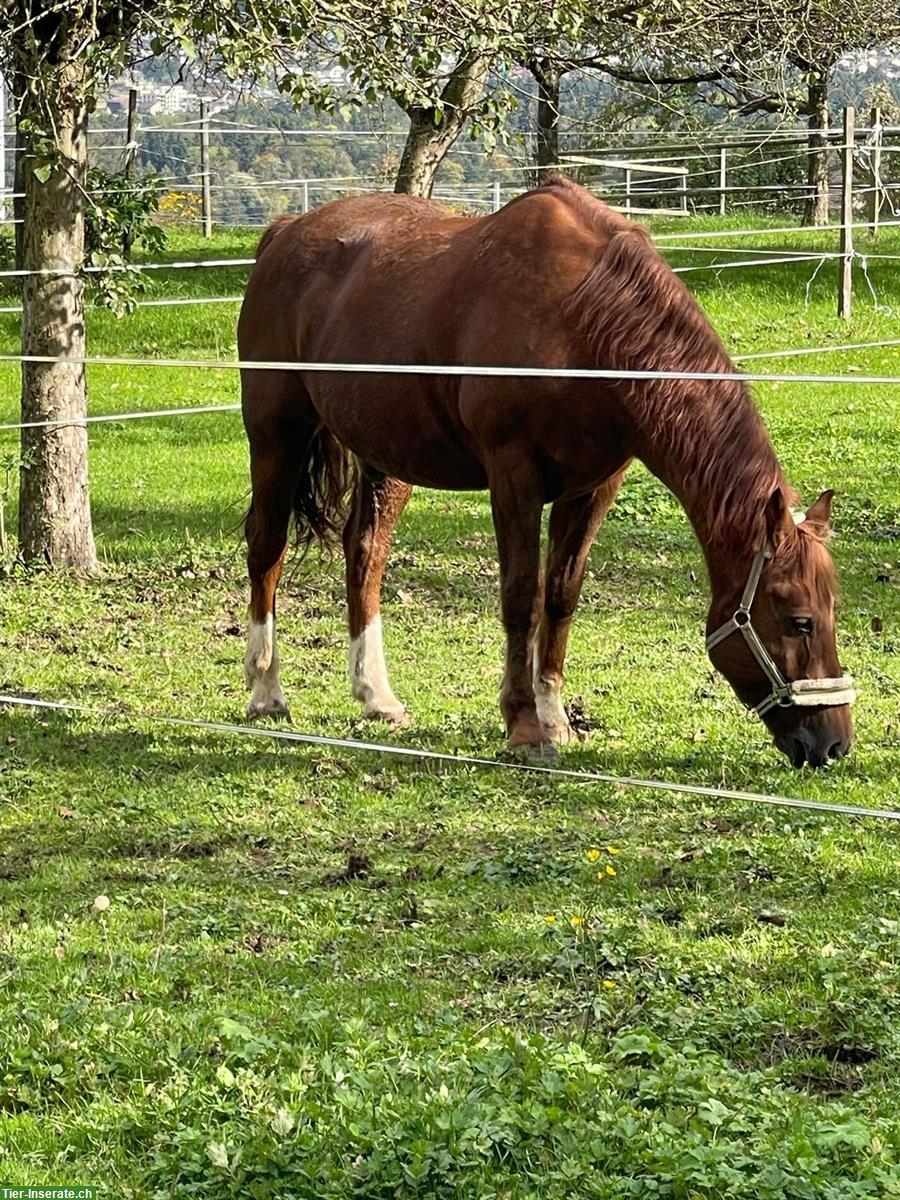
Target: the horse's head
(772, 637)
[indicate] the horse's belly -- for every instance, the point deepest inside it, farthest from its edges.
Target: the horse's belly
(405, 435)
(432, 467)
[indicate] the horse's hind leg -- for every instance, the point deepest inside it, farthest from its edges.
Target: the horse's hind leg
(276, 453)
(573, 527)
(378, 502)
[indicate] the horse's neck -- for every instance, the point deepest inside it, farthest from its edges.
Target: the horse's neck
(714, 453)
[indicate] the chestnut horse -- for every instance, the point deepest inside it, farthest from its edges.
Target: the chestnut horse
(555, 279)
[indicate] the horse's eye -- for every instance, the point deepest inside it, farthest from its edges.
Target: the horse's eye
(802, 625)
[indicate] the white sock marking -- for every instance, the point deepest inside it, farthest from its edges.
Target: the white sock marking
(368, 674)
(261, 668)
(260, 647)
(548, 702)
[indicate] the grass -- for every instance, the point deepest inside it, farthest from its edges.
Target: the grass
(328, 974)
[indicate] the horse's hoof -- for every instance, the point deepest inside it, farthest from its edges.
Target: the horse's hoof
(561, 733)
(542, 754)
(394, 718)
(277, 710)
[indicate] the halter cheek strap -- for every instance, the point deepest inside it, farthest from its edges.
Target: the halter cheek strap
(805, 693)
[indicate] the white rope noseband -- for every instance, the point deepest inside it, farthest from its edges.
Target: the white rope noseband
(805, 693)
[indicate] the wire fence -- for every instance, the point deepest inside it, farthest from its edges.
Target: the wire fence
(454, 370)
(417, 754)
(711, 160)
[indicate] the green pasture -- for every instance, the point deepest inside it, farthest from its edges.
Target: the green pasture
(333, 974)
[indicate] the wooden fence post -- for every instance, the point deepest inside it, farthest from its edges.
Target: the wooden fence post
(873, 197)
(723, 178)
(206, 196)
(130, 153)
(845, 279)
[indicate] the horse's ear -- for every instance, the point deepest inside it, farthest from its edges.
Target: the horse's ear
(818, 515)
(779, 521)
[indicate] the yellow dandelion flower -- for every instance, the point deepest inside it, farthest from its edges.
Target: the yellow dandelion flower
(608, 984)
(550, 918)
(593, 854)
(576, 922)
(611, 870)
(612, 850)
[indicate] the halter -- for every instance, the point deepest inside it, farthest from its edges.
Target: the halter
(806, 693)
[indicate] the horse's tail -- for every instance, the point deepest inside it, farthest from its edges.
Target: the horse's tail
(321, 498)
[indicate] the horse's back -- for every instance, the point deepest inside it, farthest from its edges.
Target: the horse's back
(398, 279)
(542, 243)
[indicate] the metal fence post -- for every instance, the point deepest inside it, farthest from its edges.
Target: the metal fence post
(496, 195)
(723, 178)
(3, 149)
(206, 196)
(845, 279)
(129, 155)
(628, 189)
(873, 197)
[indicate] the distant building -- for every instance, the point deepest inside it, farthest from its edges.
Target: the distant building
(171, 101)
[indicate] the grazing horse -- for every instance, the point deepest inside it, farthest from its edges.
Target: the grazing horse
(554, 279)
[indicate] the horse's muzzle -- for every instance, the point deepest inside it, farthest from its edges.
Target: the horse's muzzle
(815, 748)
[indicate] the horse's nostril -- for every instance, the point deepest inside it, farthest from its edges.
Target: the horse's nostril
(796, 752)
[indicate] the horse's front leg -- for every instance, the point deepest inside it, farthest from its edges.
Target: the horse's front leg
(516, 505)
(573, 527)
(377, 504)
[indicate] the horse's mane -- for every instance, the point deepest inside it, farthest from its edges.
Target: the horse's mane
(635, 314)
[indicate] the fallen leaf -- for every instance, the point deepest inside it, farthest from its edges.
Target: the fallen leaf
(217, 1155)
(282, 1123)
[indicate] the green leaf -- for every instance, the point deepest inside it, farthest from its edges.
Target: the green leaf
(225, 1076)
(234, 1029)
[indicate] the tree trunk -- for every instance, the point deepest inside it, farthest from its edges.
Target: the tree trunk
(54, 505)
(433, 131)
(816, 208)
(548, 77)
